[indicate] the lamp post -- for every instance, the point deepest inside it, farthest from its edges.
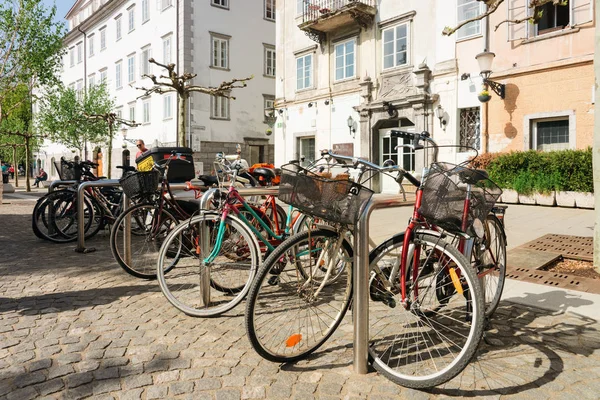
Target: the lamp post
(126, 155)
(440, 113)
(485, 60)
(351, 127)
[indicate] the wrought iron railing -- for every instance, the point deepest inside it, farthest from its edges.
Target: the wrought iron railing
(314, 9)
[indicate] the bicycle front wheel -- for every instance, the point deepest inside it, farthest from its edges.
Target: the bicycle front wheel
(137, 253)
(490, 262)
(204, 280)
(431, 338)
(300, 295)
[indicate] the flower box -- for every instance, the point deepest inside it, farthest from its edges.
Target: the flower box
(565, 199)
(547, 199)
(527, 199)
(584, 200)
(510, 196)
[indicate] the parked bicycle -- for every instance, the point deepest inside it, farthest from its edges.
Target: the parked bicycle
(426, 308)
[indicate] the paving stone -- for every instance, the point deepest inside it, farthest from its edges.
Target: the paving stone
(253, 392)
(137, 381)
(207, 384)
(105, 386)
(78, 379)
(29, 379)
(157, 392)
(26, 393)
(179, 388)
(165, 377)
(227, 394)
(49, 387)
(134, 394)
(106, 373)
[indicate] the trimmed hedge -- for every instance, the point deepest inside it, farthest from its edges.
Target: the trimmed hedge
(533, 171)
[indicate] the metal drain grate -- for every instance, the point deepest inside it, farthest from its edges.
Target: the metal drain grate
(575, 247)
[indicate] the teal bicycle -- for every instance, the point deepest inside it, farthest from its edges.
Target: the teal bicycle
(206, 263)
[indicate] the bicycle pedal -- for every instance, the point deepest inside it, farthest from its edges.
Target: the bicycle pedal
(274, 280)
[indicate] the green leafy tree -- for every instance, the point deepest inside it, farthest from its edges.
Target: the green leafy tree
(62, 116)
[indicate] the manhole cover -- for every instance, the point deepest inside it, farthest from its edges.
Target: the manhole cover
(576, 247)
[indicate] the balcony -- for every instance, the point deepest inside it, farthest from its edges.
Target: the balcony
(322, 16)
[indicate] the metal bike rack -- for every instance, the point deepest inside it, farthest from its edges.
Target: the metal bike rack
(360, 308)
(55, 184)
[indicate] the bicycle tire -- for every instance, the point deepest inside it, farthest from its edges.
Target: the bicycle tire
(45, 228)
(182, 284)
(492, 255)
(280, 312)
(145, 241)
(400, 351)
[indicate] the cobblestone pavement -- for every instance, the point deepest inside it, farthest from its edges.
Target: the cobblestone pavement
(76, 326)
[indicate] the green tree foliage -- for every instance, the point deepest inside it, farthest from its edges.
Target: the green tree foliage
(62, 117)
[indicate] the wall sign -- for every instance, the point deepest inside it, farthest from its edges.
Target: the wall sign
(344, 149)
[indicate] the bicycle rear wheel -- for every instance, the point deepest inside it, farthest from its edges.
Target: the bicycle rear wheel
(204, 289)
(433, 338)
(287, 317)
(149, 228)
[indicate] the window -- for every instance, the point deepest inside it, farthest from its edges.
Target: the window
(91, 45)
(269, 60)
(270, 10)
(553, 18)
(468, 9)
(304, 72)
(306, 148)
(395, 46)
(80, 89)
(219, 108)
(103, 39)
(145, 67)
(269, 105)
(167, 106)
(132, 112)
(119, 112)
(166, 3)
(146, 111)
(468, 129)
(131, 18)
(79, 52)
(118, 82)
(131, 68)
(167, 49)
(92, 80)
(220, 51)
(118, 27)
(220, 3)
(103, 75)
(72, 86)
(550, 135)
(299, 7)
(345, 60)
(72, 56)
(145, 10)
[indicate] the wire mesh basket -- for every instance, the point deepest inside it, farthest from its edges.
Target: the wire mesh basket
(444, 194)
(138, 184)
(334, 199)
(67, 171)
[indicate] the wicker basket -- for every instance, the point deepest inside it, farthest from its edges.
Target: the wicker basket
(140, 184)
(67, 172)
(444, 196)
(336, 200)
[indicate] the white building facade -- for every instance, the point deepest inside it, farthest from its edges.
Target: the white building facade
(219, 40)
(354, 70)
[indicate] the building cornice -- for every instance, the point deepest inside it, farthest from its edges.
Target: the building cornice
(101, 13)
(569, 62)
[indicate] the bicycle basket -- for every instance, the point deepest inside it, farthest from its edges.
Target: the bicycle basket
(336, 200)
(444, 196)
(140, 184)
(67, 172)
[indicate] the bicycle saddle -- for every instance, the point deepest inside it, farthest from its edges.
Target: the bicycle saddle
(264, 175)
(472, 176)
(209, 180)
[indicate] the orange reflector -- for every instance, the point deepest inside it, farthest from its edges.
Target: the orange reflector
(456, 281)
(197, 249)
(293, 340)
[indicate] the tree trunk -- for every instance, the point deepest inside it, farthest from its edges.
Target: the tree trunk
(27, 158)
(110, 146)
(15, 166)
(181, 136)
(595, 153)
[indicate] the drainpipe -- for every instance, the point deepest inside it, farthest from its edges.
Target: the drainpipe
(486, 134)
(85, 151)
(177, 63)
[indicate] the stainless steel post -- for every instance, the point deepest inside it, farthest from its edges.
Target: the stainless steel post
(204, 242)
(80, 210)
(361, 280)
(55, 184)
(127, 231)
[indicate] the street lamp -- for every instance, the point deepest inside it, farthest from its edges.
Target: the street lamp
(440, 113)
(351, 127)
(485, 61)
(124, 134)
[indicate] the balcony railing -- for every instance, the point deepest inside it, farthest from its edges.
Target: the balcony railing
(320, 16)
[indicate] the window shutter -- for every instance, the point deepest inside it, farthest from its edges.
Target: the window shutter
(581, 12)
(517, 9)
(149, 63)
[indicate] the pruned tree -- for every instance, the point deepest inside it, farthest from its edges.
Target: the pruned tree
(181, 84)
(62, 118)
(492, 6)
(112, 121)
